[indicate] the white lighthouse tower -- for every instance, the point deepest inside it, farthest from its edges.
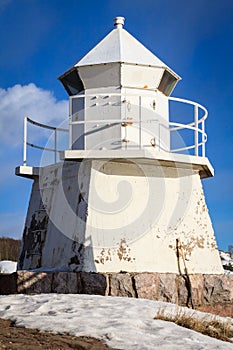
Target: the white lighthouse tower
(127, 194)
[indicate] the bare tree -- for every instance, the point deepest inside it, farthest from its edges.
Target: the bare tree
(230, 250)
(9, 249)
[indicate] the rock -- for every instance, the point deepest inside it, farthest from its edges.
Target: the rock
(197, 285)
(218, 289)
(205, 290)
(65, 282)
(182, 292)
(167, 287)
(93, 283)
(8, 283)
(34, 282)
(146, 285)
(120, 284)
(190, 289)
(228, 285)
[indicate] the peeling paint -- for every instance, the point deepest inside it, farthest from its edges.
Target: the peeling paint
(33, 240)
(77, 258)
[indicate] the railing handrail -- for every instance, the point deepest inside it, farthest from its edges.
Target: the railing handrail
(172, 126)
(43, 148)
(45, 126)
(170, 98)
(112, 121)
(193, 103)
(178, 126)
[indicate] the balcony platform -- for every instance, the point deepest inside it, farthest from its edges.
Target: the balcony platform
(27, 171)
(201, 165)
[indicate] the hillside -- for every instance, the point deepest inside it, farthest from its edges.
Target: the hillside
(9, 248)
(227, 261)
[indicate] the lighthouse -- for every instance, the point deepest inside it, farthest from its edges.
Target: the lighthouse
(126, 194)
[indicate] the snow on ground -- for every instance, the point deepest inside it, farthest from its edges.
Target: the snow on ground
(227, 261)
(123, 323)
(7, 266)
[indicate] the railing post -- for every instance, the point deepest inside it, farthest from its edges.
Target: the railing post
(140, 122)
(203, 137)
(55, 146)
(25, 142)
(159, 136)
(70, 123)
(196, 129)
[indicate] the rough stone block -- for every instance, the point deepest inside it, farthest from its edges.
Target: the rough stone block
(182, 293)
(218, 289)
(146, 285)
(34, 282)
(8, 283)
(167, 287)
(190, 289)
(197, 288)
(228, 285)
(121, 285)
(93, 283)
(65, 282)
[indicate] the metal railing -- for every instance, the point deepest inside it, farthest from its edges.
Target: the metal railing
(44, 126)
(197, 126)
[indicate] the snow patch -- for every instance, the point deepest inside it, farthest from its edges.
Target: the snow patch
(123, 323)
(227, 262)
(7, 266)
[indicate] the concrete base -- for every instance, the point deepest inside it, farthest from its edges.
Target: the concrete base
(112, 215)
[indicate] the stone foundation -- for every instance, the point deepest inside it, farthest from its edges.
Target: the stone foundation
(196, 289)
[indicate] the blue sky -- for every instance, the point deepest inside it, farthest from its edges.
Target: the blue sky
(40, 39)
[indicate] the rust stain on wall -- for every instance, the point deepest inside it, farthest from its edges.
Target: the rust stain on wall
(104, 256)
(123, 251)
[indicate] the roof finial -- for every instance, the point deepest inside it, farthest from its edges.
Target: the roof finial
(119, 22)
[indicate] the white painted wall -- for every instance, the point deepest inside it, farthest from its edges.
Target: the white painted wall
(116, 216)
(137, 76)
(130, 105)
(150, 209)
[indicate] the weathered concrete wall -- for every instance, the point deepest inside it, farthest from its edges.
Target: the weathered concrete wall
(198, 289)
(112, 216)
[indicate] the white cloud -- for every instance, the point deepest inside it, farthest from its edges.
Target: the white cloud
(15, 103)
(28, 100)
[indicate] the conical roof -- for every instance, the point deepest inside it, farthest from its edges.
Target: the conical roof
(120, 46)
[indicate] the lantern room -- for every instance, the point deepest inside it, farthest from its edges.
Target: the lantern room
(118, 91)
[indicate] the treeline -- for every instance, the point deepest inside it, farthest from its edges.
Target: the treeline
(9, 248)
